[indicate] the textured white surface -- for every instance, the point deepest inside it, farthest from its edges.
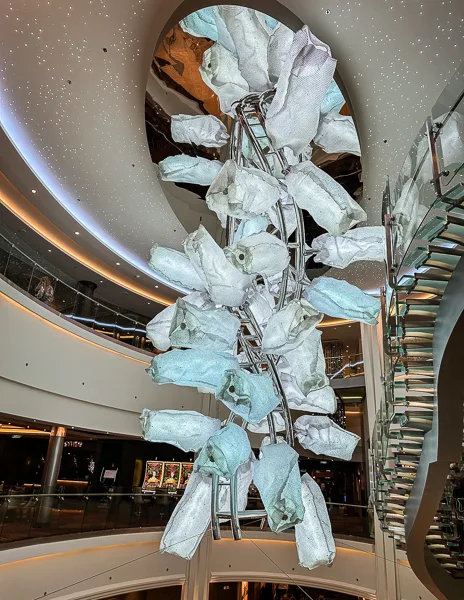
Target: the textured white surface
(174, 266)
(260, 253)
(224, 452)
(362, 243)
(337, 133)
(322, 436)
(183, 168)
(308, 363)
(278, 48)
(158, 328)
(201, 130)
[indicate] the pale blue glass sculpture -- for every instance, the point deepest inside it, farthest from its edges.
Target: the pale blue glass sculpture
(186, 429)
(321, 400)
(200, 130)
(158, 328)
(244, 476)
(341, 299)
(322, 436)
(250, 396)
(307, 71)
(278, 48)
(337, 134)
(308, 363)
(288, 213)
(224, 282)
(195, 368)
(201, 23)
(263, 425)
(261, 253)
(362, 243)
(190, 519)
(325, 199)
(183, 168)
(250, 226)
(277, 477)
(207, 328)
(261, 303)
(242, 192)
(287, 328)
(219, 70)
(250, 38)
(224, 452)
(333, 99)
(314, 540)
(174, 266)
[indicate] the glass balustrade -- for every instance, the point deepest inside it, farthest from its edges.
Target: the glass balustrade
(100, 512)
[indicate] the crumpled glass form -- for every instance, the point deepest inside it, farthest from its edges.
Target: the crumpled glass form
(201, 130)
(185, 429)
(322, 400)
(333, 99)
(337, 133)
(267, 440)
(195, 368)
(174, 266)
(263, 425)
(293, 115)
(190, 519)
(242, 192)
(208, 328)
(250, 396)
(261, 253)
(201, 23)
(275, 284)
(220, 72)
(224, 282)
(250, 226)
(261, 303)
(250, 39)
(288, 213)
(244, 478)
(224, 452)
(362, 243)
(338, 298)
(183, 168)
(308, 363)
(287, 328)
(322, 436)
(277, 477)
(278, 48)
(158, 328)
(315, 543)
(327, 201)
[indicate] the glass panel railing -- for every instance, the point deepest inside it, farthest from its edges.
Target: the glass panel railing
(22, 516)
(45, 286)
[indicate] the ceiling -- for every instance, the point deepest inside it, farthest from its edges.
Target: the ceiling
(74, 77)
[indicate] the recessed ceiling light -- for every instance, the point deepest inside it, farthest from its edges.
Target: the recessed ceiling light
(76, 232)
(49, 250)
(138, 276)
(118, 264)
(34, 191)
(101, 280)
(156, 286)
(148, 302)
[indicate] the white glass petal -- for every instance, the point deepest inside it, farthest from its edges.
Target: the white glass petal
(220, 72)
(261, 303)
(195, 368)
(250, 396)
(333, 99)
(201, 23)
(244, 479)
(242, 192)
(293, 115)
(327, 201)
(263, 426)
(201, 130)
(261, 253)
(224, 282)
(250, 226)
(186, 429)
(322, 436)
(308, 363)
(362, 243)
(275, 284)
(336, 133)
(267, 440)
(277, 477)
(250, 39)
(190, 519)
(278, 48)
(207, 328)
(287, 328)
(315, 543)
(289, 215)
(174, 266)
(158, 328)
(183, 168)
(224, 452)
(338, 298)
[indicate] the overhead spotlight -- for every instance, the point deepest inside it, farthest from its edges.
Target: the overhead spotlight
(34, 191)
(76, 232)
(156, 286)
(118, 264)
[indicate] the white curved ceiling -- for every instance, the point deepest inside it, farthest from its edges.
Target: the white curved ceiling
(73, 84)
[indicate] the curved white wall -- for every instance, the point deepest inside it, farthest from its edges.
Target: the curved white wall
(53, 370)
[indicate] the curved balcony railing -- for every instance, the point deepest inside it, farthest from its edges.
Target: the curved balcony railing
(39, 281)
(101, 512)
(419, 431)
